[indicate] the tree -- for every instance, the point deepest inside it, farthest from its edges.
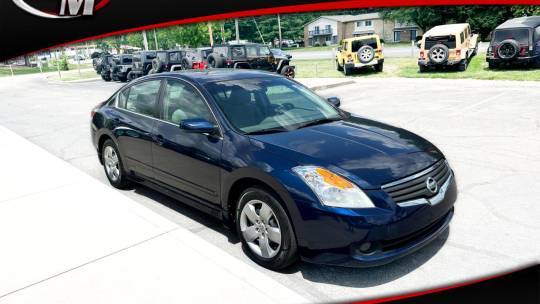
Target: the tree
(525, 10)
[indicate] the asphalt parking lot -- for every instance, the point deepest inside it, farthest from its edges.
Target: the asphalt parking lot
(489, 131)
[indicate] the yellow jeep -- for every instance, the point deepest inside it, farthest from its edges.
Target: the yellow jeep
(447, 45)
(360, 52)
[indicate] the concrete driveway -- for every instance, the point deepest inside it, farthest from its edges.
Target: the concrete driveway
(489, 130)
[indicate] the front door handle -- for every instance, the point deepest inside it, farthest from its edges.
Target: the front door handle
(158, 139)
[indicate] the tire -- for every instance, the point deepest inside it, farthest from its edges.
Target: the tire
(338, 67)
(157, 65)
(106, 76)
(462, 67)
(114, 171)
(492, 65)
(379, 67)
(438, 53)
(252, 228)
(423, 68)
(536, 63)
(288, 71)
(366, 54)
(347, 71)
(131, 76)
(215, 61)
(508, 49)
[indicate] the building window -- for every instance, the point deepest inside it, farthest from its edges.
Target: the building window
(317, 29)
(397, 36)
(358, 24)
(413, 35)
(368, 23)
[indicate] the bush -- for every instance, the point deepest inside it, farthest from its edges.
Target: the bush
(317, 44)
(62, 63)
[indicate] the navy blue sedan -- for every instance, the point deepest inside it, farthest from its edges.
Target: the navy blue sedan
(295, 175)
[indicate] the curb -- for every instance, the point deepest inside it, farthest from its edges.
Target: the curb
(333, 85)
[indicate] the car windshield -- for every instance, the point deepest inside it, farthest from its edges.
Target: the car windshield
(520, 35)
(266, 105)
(357, 44)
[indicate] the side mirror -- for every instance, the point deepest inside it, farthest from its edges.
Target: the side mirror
(197, 125)
(334, 101)
(339, 49)
(418, 38)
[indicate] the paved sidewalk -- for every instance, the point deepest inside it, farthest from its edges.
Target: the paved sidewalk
(67, 238)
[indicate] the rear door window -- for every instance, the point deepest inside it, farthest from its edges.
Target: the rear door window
(520, 35)
(357, 44)
(142, 97)
(449, 41)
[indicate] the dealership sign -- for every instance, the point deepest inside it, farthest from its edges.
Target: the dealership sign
(60, 8)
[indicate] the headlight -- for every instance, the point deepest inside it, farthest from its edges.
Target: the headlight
(332, 189)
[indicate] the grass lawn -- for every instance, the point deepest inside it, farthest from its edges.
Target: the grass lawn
(22, 70)
(74, 75)
(407, 67)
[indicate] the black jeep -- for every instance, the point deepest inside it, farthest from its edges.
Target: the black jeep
(142, 64)
(121, 66)
(515, 42)
(249, 56)
(105, 67)
(97, 60)
(167, 61)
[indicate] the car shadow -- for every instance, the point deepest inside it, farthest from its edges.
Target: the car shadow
(373, 276)
(341, 276)
(192, 213)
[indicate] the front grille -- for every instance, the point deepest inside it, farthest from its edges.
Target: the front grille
(414, 186)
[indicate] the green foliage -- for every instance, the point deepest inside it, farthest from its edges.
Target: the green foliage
(526, 10)
(189, 35)
(60, 63)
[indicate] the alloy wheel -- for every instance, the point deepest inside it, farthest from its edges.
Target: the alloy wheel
(438, 55)
(112, 164)
(260, 229)
(366, 54)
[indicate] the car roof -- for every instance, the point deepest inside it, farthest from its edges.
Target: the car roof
(361, 37)
(523, 22)
(216, 75)
(447, 29)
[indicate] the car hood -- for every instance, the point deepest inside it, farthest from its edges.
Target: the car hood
(368, 152)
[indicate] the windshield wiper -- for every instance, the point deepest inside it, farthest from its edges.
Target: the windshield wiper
(319, 122)
(267, 131)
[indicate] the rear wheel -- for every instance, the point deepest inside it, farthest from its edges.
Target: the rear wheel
(347, 70)
(338, 66)
(492, 65)
(423, 68)
(265, 229)
(462, 67)
(379, 67)
(112, 163)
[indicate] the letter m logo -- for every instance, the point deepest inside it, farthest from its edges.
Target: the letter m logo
(73, 7)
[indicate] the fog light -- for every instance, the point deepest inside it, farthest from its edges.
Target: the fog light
(365, 247)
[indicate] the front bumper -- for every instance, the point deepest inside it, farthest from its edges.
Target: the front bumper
(343, 238)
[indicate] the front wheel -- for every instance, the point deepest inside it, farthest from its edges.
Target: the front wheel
(338, 67)
(462, 67)
(112, 163)
(265, 229)
(288, 71)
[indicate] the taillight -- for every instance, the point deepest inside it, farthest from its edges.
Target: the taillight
(229, 62)
(422, 54)
(458, 52)
(523, 50)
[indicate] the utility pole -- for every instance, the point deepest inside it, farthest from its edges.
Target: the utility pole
(155, 39)
(145, 40)
(210, 33)
(260, 34)
(237, 30)
(222, 28)
(279, 29)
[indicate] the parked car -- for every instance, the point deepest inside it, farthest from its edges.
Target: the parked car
(98, 59)
(249, 56)
(515, 42)
(121, 66)
(360, 52)
(196, 58)
(142, 64)
(105, 67)
(167, 61)
(280, 54)
(447, 45)
(294, 174)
